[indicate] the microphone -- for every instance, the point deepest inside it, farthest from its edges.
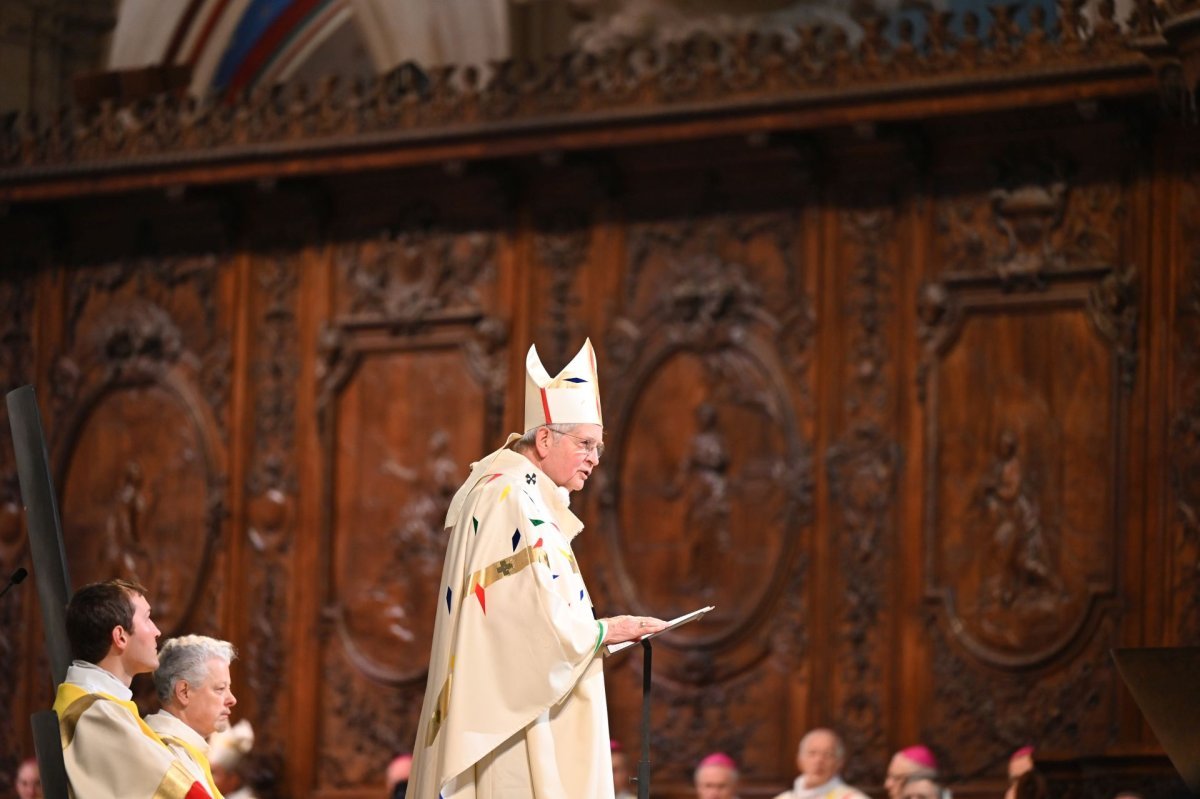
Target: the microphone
(17, 576)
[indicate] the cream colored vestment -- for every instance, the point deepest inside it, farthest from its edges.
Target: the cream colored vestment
(514, 706)
(109, 752)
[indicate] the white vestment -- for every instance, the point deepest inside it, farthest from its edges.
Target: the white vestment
(187, 744)
(515, 704)
(834, 789)
(109, 752)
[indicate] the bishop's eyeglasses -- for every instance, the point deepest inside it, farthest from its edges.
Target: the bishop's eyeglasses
(587, 445)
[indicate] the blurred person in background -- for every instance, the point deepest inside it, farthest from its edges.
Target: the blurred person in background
(397, 776)
(227, 754)
(28, 783)
(915, 761)
(716, 777)
(820, 759)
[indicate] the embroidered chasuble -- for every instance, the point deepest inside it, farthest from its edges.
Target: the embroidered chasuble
(515, 704)
(109, 751)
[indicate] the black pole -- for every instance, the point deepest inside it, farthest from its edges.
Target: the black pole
(50, 573)
(45, 529)
(643, 773)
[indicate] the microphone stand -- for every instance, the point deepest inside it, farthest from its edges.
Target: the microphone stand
(643, 772)
(17, 577)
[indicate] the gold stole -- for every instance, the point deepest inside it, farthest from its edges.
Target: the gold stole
(199, 757)
(69, 708)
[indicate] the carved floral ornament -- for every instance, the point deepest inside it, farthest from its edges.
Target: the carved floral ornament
(811, 62)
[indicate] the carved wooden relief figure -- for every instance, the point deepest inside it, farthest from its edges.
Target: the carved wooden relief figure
(141, 411)
(1026, 373)
(411, 384)
(707, 486)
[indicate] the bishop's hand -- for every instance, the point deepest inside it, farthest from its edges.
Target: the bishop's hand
(630, 628)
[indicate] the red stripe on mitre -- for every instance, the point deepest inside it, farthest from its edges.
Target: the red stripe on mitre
(546, 406)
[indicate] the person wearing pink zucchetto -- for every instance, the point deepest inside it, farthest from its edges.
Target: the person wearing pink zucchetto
(1020, 762)
(915, 761)
(1023, 779)
(820, 759)
(716, 777)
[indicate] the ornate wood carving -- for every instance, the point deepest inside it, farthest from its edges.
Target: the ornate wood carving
(413, 324)
(136, 401)
(696, 720)
(811, 66)
(271, 486)
(706, 441)
(172, 282)
(1018, 516)
(863, 464)
(1021, 571)
(1024, 229)
(561, 243)
(1029, 339)
(1028, 264)
(1184, 448)
(980, 716)
(417, 282)
(411, 274)
(368, 724)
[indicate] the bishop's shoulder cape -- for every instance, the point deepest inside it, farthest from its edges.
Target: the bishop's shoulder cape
(515, 643)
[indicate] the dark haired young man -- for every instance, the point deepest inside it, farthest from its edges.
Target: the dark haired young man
(110, 753)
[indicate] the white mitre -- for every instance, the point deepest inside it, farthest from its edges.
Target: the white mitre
(571, 397)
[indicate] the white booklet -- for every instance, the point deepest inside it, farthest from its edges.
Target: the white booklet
(671, 625)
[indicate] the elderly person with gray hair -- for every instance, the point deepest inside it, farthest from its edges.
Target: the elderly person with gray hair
(192, 681)
(820, 759)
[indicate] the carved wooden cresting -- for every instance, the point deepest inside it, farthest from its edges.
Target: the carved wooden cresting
(897, 341)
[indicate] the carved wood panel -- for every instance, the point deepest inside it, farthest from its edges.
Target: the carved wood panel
(1029, 355)
(862, 464)
(268, 529)
(790, 411)
(1184, 457)
(139, 399)
(412, 379)
(706, 493)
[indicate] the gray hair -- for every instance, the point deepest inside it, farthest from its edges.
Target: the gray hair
(528, 442)
(839, 748)
(186, 658)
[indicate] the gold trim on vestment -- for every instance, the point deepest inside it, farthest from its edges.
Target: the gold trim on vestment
(175, 783)
(68, 720)
(439, 712)
(506, 567)
(199, 758)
